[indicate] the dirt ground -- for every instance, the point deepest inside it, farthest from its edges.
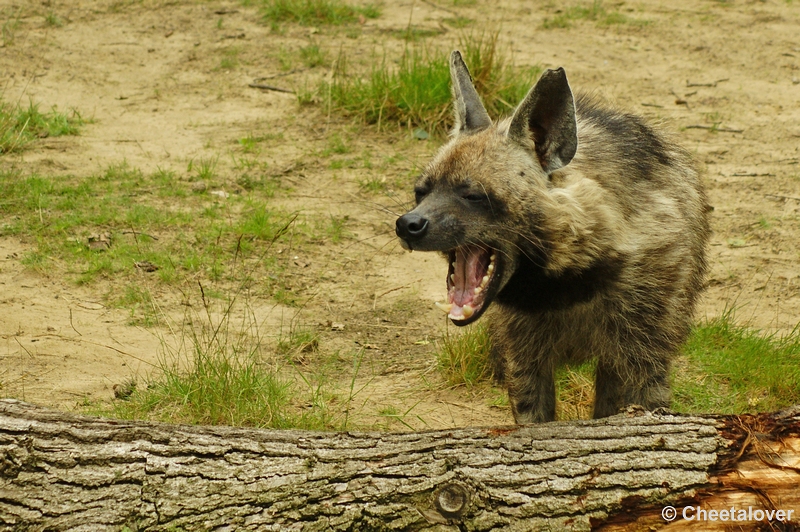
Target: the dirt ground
(722, 76)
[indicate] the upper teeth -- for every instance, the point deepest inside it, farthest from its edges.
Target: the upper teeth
(444, 306)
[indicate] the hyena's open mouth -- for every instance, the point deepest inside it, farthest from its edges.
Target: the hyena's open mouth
(469, 281)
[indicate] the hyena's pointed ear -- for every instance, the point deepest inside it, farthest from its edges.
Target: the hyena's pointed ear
(547, 117)
(471, 115)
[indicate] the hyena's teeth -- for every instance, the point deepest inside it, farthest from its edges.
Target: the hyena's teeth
(444, 306)
(494, 256)
(477, 290)
(484, 280)
(454, 264)
(468, 311)
(453, 277)
(490, 269)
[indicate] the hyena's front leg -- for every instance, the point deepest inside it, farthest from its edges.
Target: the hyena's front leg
(532, 394)
(529, 377)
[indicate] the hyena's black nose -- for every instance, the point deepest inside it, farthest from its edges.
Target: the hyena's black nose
(411, 226)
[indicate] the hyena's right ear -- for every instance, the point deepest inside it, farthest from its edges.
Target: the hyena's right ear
(471, 115)
(547, 117)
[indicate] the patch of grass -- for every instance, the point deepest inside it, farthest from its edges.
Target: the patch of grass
(21, 125)
(337, 144)
(336, 228)
(219, 371)
(298, 341)
(575, 391)
(595, 12)
(731, 369)
(313, 56)
(230, 58)
(373, 185)
(412, 34)
(57, 215)
(459, 22)
(53, 20)
(226, 380)
(141, 304)
(316, 12)
(265, 185)
(10, 26)
(251, 144)
(204, 168)
(463, 357)
(416, 93)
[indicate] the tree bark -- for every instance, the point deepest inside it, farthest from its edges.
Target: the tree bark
(61, 471)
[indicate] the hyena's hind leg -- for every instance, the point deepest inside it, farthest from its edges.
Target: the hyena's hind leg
(618, 385)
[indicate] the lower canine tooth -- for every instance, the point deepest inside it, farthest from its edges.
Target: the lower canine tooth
(444, 306)
(468, 311)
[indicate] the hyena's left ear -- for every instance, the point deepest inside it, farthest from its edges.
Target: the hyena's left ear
(547, 117)
(471, 115)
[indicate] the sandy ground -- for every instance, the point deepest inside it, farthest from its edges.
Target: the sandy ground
(148, 76)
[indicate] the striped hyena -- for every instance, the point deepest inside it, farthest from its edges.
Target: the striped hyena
(582, 227)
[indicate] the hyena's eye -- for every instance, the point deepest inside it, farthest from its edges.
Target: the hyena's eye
(475, 197)
(420, 193)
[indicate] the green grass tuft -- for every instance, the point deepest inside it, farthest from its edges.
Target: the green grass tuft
(595, 12)
(316, 12)
(417, 93)
(463, 358)
(20, 126)
(220, 372)
(225, 382)
(312, 56)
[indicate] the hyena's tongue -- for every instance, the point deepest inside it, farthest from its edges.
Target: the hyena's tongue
(467, 278)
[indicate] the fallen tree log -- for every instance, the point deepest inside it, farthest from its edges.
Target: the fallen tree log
(61, 471)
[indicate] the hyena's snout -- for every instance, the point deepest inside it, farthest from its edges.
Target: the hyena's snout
(411, 228)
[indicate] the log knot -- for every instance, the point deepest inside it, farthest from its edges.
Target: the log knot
(451, 500)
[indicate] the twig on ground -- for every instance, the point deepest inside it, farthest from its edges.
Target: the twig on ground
(23, 347)
(269, 88)
(712, 84)
(779, 196)
(377, 295)
(280, 75)
(720, 129)
(72, 324)
(751, 174)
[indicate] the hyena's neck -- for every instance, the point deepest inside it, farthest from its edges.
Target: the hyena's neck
(534, 289)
